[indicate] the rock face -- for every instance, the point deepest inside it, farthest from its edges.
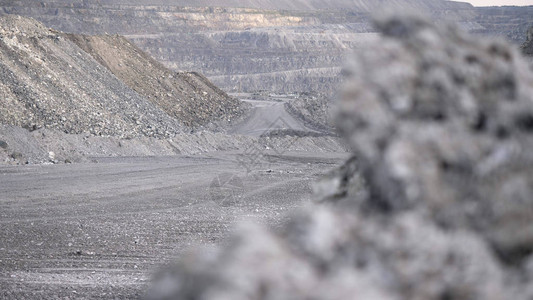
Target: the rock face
(301, 5)
(147, 18)
(441, 127)
(297, 5)
(511, 22)
(245, 46)
(284, 60)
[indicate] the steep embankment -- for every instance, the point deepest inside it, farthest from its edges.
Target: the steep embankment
(284, 60)
(47, 81)
(188, 97)
(146, 17)
(85, 96)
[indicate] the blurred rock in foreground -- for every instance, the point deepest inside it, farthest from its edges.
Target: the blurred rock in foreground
(527, 46)
(441, 125)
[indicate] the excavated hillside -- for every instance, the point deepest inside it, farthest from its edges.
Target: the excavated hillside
(509, 21)
(245, 46)
(67, 97)
(124, 19)
(288, 59)
(187, 96)
(300, 5)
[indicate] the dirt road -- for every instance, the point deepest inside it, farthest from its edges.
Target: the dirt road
(98, 230)
(268, 116)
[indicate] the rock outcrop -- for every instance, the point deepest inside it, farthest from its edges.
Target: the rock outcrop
(441, 126)
(307, 5)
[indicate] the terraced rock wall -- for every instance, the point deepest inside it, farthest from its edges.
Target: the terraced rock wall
(244, 46)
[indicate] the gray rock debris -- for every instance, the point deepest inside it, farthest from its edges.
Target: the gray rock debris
(313, 109)
(188, 97)
(441, 125)
(48, 82)
(443, 122)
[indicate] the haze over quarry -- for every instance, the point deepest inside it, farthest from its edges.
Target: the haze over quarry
(500, 2)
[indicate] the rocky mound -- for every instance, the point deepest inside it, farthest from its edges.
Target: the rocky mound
(48, 81)
(188, 97)
(314, 109)
(100, 85)
(441, 127)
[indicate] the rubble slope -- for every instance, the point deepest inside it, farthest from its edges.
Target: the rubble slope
(102, 85)
(187, 96)
(48, 81)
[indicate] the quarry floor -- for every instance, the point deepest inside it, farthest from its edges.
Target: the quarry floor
(100, 230)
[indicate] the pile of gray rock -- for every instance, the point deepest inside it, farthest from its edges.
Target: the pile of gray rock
(314, 109)
(188, 97)
(101, 85)
(49, 82)
(436, 204)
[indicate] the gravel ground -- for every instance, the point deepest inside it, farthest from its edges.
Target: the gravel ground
(99, 230)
